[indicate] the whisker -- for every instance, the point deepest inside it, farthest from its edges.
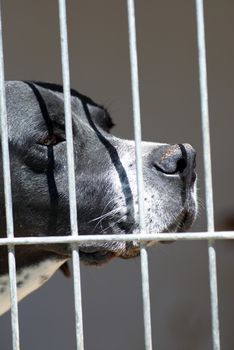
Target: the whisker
(112, 213)
(104, 215)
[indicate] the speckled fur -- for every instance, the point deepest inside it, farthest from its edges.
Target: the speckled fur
(28, 280)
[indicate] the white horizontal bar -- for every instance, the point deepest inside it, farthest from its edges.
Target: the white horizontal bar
(188, 236)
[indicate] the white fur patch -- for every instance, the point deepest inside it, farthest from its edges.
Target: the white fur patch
(28, 280)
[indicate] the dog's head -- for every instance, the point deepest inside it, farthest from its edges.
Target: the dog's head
(105, 176)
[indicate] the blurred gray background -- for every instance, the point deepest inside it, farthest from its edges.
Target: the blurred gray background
(168, 71)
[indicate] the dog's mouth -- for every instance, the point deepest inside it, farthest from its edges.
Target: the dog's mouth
(182, 223)
(96, 257)
(101, 253)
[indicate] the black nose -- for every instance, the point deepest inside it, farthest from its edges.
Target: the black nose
(176, 159)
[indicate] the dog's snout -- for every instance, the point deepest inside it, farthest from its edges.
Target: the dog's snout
(175, 159)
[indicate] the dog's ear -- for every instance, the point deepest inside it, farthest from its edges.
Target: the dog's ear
(65, 269)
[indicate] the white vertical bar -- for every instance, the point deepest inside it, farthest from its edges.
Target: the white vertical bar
(71, 173)
(140, 182)
(8, 202)
(208, 171)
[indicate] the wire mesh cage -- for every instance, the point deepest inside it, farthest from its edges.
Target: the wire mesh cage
(74, 240)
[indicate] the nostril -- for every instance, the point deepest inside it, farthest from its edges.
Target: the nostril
(181, 165)
(171, 160)
(194, 176)
(177, 159)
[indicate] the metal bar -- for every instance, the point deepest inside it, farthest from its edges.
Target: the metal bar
(71, 174)
(8, 202)
(207, 171)
(154, 237)
(139, 172)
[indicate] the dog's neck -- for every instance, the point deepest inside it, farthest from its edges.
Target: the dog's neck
(28, 279)
(35, 265)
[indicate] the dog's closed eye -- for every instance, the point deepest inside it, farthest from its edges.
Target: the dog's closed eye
(52, 140)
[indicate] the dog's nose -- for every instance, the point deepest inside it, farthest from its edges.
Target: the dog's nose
(176, 159)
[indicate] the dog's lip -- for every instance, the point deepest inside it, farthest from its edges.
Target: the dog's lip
(127, 226)
(100, 254)
(96, 257)
(181, 224)
(177, 225)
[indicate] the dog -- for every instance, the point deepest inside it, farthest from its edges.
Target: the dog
(105, 178)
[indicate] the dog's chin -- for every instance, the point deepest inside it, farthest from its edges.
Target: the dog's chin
(104, 252)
